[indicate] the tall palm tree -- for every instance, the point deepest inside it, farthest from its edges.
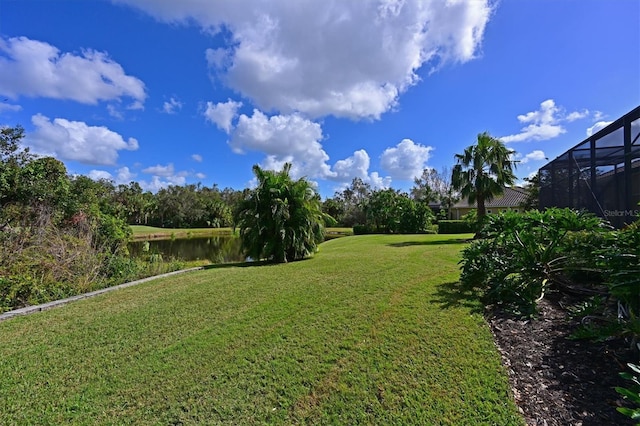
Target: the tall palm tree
(483, 171)
(281, 219)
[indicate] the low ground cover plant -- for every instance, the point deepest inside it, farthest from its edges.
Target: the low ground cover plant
(519, 257)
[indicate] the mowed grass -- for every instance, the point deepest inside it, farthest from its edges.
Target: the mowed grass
(369, 331)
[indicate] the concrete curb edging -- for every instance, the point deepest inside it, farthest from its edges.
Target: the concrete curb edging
(54, 304)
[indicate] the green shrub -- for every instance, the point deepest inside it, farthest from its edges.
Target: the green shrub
(521, 256)
(454, 227)
(620, 261)
(363, 230)
(121, 269)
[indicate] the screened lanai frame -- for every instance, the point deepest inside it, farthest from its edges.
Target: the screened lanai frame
(601, 174)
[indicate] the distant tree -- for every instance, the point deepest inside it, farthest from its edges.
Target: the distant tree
(334, 208)
(483, 171)
(12, 160)
(281, 219)
(131, 198)
(217, 212)
(351, 203)
(433, 186)
(391, 211)
(382, 210)
(532, 189)
(425, 187)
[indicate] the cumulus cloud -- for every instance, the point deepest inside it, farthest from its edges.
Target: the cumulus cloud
(535, 155)
(100, 174)
(283, 138)
(197, 158)
(162, 177)
(37, 69)
(406, 160)
(545, 123)
(357, 166)
(597, 127)
(158, 170)
(222, 114)
(379, 182)
(353, 60)
(172, 106)
(123, 175)
(76, 140)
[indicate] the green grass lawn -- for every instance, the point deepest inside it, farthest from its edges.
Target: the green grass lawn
(369, 331)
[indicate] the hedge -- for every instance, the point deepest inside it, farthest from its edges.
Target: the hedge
(454, 227)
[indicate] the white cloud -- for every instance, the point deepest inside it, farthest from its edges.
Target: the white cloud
(222, 114)
(545, 123)
(348, 59)
(37, 69)
(156, 183)
(197, 158)
(124, 175)
(76, 140)
(406, 160)
(114, 112)
(100, 174)
(597, 127)
(9, 107)
(379, 182)
(283, 138)
(577, 115)
(158, 170)
(357, 166)
(162, 177)
(201, 175)
(535, 155)
(172, 106)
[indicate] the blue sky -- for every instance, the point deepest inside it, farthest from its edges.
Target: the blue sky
(165, 92)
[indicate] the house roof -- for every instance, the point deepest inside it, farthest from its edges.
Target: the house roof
(512, 197)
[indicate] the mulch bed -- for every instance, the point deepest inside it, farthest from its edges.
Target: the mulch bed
(556, 380)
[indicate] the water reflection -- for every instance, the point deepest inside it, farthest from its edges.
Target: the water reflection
(216, 249)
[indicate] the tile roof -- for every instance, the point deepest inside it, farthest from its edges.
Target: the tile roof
(512, 197)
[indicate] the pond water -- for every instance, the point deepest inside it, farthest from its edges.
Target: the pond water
(216, 249)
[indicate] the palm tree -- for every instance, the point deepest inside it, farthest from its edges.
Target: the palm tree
(483, 171)
(281, 219)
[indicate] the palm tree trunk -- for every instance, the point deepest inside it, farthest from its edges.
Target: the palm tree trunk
(482, 212)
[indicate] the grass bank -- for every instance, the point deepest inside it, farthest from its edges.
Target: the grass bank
(368, 331)
(142, 232)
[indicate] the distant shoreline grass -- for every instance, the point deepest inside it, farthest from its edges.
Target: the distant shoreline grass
(370, 330)
(143, 232)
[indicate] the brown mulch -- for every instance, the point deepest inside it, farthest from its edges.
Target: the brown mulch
(556, 380)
